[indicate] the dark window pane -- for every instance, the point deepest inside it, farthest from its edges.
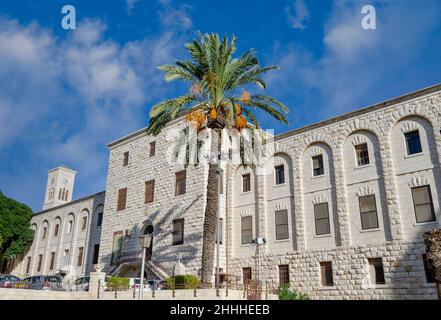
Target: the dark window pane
(326, 274)
(283, 274)
(280, 174)
(376, 271)
(362, 154)
(152, 148)
(126, 159)
(317, 165)
(246, 182)
(413, 142)
(178, 232)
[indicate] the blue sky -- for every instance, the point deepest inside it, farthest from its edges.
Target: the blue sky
(64, 94)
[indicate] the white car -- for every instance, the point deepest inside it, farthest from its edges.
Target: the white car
(80, 284)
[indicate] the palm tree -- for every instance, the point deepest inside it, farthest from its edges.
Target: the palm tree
(217, 100)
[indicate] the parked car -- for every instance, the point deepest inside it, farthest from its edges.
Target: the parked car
(80, 284)
(156, 284)
(8, 281)
(44, 283)
(135, 283)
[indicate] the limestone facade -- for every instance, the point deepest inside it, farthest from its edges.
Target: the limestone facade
(388, 178)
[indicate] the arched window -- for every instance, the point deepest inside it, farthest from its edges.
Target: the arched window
(59, 194)
(67, 193)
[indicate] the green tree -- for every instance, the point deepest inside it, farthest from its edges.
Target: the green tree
(15, 232)
(217, 100)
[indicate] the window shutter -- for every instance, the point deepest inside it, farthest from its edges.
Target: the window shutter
(423, 205)
(149, 191)
(321, 213)
(282, 225)
(122, 197)
(246, 230)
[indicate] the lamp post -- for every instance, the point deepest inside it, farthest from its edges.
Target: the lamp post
(258, 242)
(145, 242)
(218, 173)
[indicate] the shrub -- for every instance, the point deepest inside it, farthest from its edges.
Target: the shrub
(285, 293)
(118, 283)
(183, 282)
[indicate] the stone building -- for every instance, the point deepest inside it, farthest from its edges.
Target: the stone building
(342, 205)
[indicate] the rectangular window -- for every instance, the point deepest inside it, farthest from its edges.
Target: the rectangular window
(283, 274)
(413, 142)
(99, 219)
(321, 216)
(28, 266)
(246, 230)
(66, 257)
(181, 182)
(282, 225)
(428, 270)
(84, 225)
(116, 247)
(40, 261)
(122, 198)
(326, 274)
(221, 233)
(246, 274)
(376, 271)
(44, 233)
(221, 177)
(57, 227)
(423, 205)
(152, 148)
(51, 266)
(178, 232)
(149, 191)
(280, 174)
(80, 256)
(126, 159)
(96, 252)
(362, 154)
(368, 212)
(246, 182)
(317, 166)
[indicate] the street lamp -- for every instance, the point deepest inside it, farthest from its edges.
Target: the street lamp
(218, 174)
(145, 242)
(258, 242)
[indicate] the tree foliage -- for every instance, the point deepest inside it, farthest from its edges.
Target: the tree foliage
(285, 293)
(15, 232)
(218, 84)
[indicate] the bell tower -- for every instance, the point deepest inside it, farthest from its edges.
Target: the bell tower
(59, 188)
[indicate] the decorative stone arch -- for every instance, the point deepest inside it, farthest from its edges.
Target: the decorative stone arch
(320, 198)
(409, 110)
(365, 191)
(419, 181)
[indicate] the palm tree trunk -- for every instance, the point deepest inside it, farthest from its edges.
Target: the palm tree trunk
(209, 237)
(432, 240)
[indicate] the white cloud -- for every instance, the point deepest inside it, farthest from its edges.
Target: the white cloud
(130, 5)
(64, 99)
(175, 16)
(298, 14)
(359, 67)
